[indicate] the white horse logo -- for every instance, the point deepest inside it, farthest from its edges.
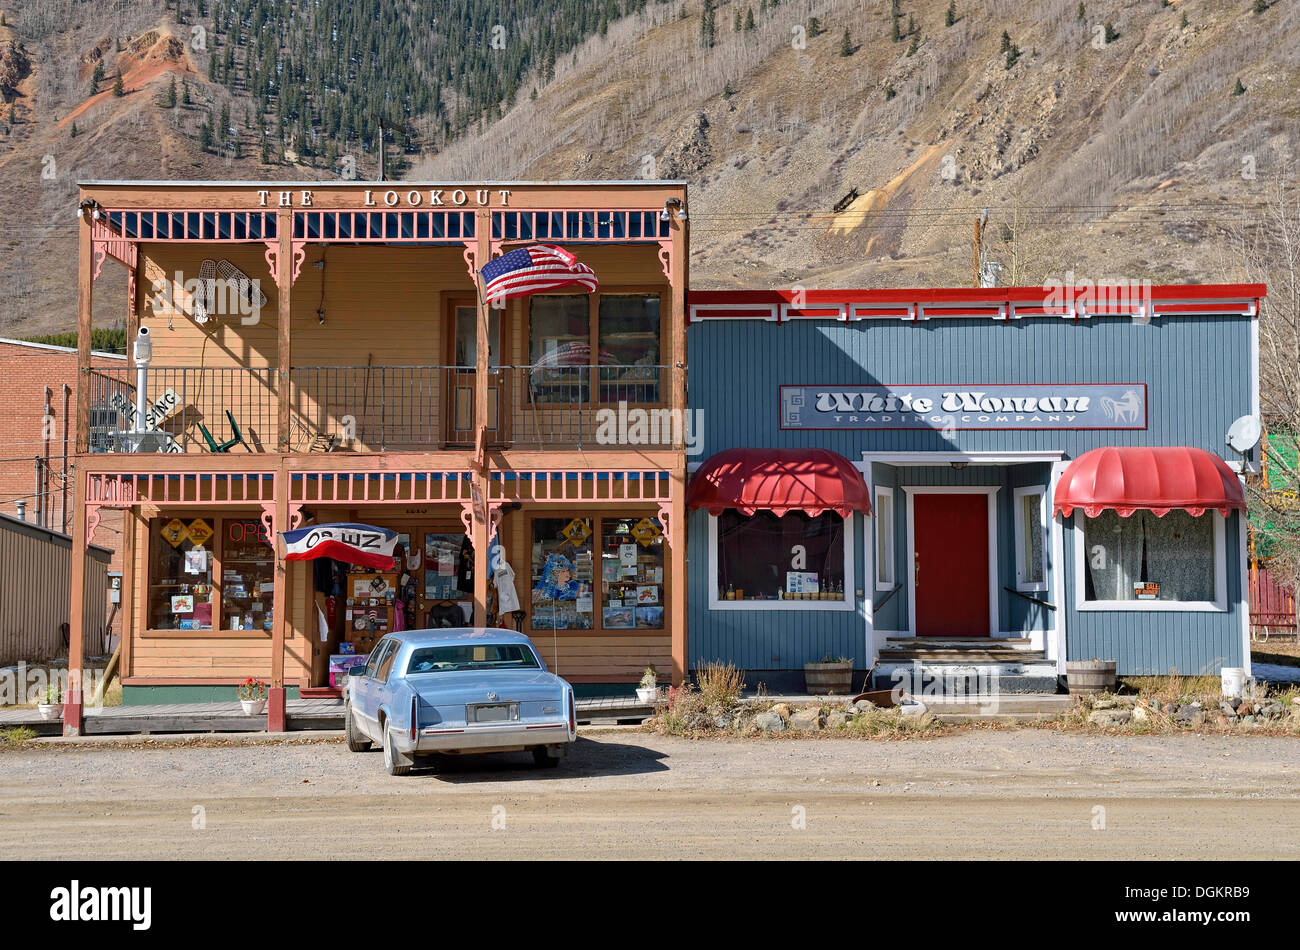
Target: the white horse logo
(1122, 410)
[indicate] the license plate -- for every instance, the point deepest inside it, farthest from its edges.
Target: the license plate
(493, 712)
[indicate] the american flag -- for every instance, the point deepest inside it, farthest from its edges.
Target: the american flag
(533, 270)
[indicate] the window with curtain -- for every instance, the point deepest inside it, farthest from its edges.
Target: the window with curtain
(1149, 558)
(884, 539)
(1031, 572)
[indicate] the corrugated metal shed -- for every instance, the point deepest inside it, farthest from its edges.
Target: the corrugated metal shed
(35, 576)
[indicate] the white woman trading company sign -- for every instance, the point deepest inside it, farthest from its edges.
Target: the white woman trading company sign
(999, 406)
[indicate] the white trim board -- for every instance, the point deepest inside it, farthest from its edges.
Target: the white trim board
(991, 491)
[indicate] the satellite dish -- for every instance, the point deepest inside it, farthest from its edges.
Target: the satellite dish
(1244, 434)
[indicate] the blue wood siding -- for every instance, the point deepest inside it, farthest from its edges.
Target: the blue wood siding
(1197, 373)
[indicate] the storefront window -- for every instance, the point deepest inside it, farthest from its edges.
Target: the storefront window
(448, 563)
(562, 574)
(1148, 558)
(247, 575)
(628, 335)
(180, 574)
(632, 573)
(793, 557)
(559, 348)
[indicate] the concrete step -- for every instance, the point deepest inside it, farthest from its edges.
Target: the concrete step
(1034, 676)
(965, 656)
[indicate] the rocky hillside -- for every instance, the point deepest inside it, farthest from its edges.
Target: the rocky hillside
(827, 142)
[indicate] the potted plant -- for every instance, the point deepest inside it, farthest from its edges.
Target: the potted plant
(1090, 676)
(647, 691)
(52, 708)
(829, 677)
(252, 696)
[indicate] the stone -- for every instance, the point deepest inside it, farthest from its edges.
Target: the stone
(836, 720)
(1104, 704)
(1274, 710)
(769, 721)
(862, 705)
(1140, 714)
(1109, 717)
(1248, 720)
(1243, 709)
(1227, 709)
(783, 710)
(808, 720)
(1126, 700)
(914, 708)
(1189, 716)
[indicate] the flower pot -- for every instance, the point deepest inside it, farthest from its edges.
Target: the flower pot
(50, 710)
(828, 679)
(647, 695)
(253, 707)
(1090, 676)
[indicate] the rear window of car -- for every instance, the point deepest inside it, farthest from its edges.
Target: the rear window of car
(478, 656)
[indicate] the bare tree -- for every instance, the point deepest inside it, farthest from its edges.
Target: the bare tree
(1267, 250)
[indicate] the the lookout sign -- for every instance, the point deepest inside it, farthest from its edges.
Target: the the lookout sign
(997, 406)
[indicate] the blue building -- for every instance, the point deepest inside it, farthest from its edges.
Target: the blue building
(1038, 474)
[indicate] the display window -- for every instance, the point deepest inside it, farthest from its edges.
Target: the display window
(793, 561)
(1173, 561)
(209, 574)
(605, 574)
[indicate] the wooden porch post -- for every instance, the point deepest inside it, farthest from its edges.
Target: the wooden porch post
(283, 290)
(77, 569)
(677, 510)
(275, 706)
(72, 699)
(480, 539)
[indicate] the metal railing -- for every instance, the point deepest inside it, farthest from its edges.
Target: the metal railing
(381, 408)
(236, 405)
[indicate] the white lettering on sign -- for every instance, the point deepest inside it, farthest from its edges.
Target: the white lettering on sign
(164, 406)
(414, 198)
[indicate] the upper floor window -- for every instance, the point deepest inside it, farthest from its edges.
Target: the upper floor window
(568, 334)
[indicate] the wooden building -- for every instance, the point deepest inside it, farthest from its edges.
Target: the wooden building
(319, 354)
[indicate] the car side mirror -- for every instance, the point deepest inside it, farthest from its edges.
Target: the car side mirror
(356, 670)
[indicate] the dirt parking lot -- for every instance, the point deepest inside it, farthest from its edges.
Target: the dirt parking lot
(1028, 793)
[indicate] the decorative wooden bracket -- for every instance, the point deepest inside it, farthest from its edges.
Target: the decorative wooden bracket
(299, 254)
(268, 519)
(666, 258)
(665, 523)
(471, 261)
(467, 517)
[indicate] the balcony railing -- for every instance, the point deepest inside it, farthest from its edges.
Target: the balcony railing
(380, 408)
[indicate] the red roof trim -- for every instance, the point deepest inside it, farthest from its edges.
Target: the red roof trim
(1167, 298)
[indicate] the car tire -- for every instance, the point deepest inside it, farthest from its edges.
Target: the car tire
(542, 759)
(357, 740)
(394, 761)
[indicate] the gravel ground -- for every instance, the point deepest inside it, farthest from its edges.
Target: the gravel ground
(624, 793)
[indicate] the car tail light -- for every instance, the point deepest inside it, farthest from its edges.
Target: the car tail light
(415, 717)
(573, 714)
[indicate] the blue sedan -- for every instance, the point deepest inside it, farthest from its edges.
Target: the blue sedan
(458, 691)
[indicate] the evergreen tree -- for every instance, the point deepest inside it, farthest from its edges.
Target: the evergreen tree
(119, 89)
(846, 44)
(205, 136)
(96, 77)
(185, 92)
(1238, 89)
(951, 16)
(749, 20)
(708, 30)
(169, 97)
(73, 131)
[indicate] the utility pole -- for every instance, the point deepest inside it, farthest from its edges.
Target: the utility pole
(977, 247)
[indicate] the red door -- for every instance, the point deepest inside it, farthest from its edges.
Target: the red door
(951, 565)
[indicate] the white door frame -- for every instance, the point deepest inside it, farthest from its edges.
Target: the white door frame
(991, 491)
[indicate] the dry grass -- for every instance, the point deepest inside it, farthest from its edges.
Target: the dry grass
(720, 684)
(15, 737)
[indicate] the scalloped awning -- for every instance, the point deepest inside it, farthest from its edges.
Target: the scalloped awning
(1156, 479)
(780, 481)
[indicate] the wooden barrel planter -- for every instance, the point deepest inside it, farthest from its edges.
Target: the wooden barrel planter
(828, 679)
(1090, 676)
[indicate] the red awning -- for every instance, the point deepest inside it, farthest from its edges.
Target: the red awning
(1157, 479)
(780, 481)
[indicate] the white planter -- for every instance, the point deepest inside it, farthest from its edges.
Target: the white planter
(50, 710)
(647, 696)
(253, 707)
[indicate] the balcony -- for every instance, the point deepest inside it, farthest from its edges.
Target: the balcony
(548, 405)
